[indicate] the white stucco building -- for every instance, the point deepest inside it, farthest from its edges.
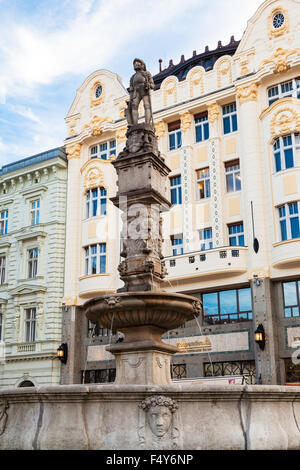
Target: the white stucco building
(228, 124)
(32, 244)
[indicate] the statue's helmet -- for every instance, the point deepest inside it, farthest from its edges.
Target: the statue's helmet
(141, 62)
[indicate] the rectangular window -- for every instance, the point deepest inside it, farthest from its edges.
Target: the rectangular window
(2, 269)
(206, 241)
(236, 234)
(33, 255)
(201, 127)
(291, 298)
(229, 118)
(283, 90)
(177, 244)
(203, 183)
(95, 259)
(35, 212)
(176, 192)
(233, 176)
(3, 222)
(285, 149)
(174, 132)
(289, 221)
(30, 325)
(227, 306)
(1, 324)
(104, 150)
(96, 201)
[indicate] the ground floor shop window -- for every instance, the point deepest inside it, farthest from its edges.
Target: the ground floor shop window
(98, 376)
(245, 368)
(178, 371)
(292, 372)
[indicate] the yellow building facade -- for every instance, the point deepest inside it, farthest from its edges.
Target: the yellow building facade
(228, 126)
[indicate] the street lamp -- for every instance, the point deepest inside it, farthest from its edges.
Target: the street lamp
(260, 337)
(62, 353)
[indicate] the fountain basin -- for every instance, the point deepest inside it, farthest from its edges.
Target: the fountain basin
(142, 358)
(127, 309)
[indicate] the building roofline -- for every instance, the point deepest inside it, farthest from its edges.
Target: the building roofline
(206, 59)
(34, 159)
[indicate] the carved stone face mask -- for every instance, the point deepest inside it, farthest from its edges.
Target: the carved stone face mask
(159, 419)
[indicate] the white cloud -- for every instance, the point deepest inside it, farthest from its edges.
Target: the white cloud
(34, 56)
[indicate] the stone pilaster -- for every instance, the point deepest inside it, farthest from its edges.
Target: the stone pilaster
(266, 360)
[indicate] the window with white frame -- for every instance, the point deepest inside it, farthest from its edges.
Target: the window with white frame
(174, 133)
(30, 325)
(203, 183)
(33, 255)
(95, 259)
(104, 150)
(236, 234)
(201, 127)
(233, 176)
(286, 148)
(177, 244)
(176, 191)
(3, 222)
(229, 118)
(2, 269)
(206, 240)
(290, 88)
(35, 212)
(289, 221)
(96, 201)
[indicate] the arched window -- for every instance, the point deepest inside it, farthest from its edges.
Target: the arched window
(26, 383)
(96, 200)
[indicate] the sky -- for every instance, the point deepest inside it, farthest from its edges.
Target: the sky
(48, 48)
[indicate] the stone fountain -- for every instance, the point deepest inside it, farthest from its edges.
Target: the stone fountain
(143, 409)
(140, 309)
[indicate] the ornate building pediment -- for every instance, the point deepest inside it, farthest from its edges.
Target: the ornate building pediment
(27, 289)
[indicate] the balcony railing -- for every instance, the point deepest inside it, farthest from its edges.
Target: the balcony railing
(219, 261)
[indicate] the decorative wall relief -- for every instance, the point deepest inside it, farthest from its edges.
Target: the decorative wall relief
(224, 72)
(158, 423)
(3, 415)
(93, 178)
(213, 112)
(186, 120)
(280, 59)
(73, 151)
(160, 129)
(170, 89)
(196, 82)
(247, 93)
(285, 121)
